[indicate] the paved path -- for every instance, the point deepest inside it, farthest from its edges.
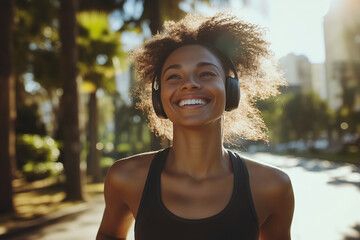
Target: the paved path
(73, 227)
(327, 199)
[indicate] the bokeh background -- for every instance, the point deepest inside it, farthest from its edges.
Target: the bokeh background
(66, 112)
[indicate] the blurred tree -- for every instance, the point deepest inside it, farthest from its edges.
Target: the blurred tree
(7, 106)
(37, 58)
(70, 101)
(272, 111)
(98, 45)
(156, 11)
(307, 116)
(296, 116)
(37, 41)
(349, 75)
(37, 156)
(106, 111)
(28, 119)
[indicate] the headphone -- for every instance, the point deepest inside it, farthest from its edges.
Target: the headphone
(232, 90)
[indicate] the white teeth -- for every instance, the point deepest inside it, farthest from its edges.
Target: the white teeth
(191, 102)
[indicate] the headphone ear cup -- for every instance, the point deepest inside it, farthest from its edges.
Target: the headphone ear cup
(232, 89)
(156, 101)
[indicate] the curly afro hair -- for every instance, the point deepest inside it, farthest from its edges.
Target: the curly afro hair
(242, 42)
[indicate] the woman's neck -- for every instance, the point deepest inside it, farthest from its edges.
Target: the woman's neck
(198, 152)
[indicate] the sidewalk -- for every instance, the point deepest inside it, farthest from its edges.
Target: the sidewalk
(22, 227)
(75, 226)
(40, 204)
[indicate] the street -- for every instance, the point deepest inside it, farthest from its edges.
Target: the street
(327, 204)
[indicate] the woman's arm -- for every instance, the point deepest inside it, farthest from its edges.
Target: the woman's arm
(101, 236)
(117, 218)
(277, 225)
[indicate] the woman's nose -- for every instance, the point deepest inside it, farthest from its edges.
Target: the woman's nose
(190, 82)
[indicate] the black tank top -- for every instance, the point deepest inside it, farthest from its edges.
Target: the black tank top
(237, 221)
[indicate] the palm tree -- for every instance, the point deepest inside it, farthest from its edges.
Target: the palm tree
(97, 40)
(7, 107)
(70, 101)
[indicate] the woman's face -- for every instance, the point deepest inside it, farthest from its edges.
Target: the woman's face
(193, 86)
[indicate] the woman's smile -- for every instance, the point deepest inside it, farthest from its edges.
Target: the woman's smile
(192, 102)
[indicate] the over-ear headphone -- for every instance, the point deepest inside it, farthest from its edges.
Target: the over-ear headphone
(156, 97)
(232, 90)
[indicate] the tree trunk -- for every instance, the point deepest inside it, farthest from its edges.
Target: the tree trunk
(154, 16)
(70, 119)
(95, 170)
(7, 107)
(155, 26)
(117, 118)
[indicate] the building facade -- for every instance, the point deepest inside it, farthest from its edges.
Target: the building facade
(342, 46)
(298, 73)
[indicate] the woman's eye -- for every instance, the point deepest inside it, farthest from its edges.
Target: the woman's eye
(207, 74)
(173, 76)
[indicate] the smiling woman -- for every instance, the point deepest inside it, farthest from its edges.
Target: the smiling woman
(190, 81)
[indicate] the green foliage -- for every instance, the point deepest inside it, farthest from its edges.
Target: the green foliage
(95, 24)
(98, 45)
(296, 116)
(36, 41)
(37, 156)
(35, 171)
(106, 162)
(308, 115)
(124, 148)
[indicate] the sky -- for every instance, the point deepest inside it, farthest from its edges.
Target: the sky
(292, 26)
(297, 26)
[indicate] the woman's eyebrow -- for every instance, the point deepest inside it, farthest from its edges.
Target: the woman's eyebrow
(176, 66)
(200, 64)
(203, 64)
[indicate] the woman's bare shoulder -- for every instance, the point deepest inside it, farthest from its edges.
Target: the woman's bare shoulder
(130, 170)
(273, 198)
(271, 190)
(122, 191)
(269, 179)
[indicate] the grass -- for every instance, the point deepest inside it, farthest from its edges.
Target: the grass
(33, 200)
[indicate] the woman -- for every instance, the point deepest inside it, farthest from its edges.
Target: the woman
(196, 189)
